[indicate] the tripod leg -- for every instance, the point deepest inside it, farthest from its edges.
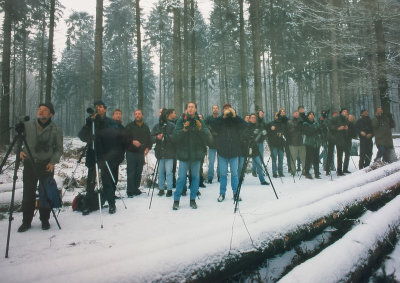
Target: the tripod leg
(154, 180)
(269, 177)
(241, 178)
(15, 177)
(115, 183)
(98, 194)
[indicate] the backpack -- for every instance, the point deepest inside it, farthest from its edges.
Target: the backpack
(49, 189)
(78, 203)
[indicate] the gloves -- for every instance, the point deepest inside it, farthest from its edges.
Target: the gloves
(186, 126)
(198, 125)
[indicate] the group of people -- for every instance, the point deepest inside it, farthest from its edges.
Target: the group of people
(182, 144)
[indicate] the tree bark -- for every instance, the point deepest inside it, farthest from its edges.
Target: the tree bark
(49, 77)
(5, 71)
(176, 63)
(98, 52)
(243, 74)
(192, 54)
(255, 31)
(139, 57)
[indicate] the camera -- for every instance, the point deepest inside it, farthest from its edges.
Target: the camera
(325, 113)
(90, 110)
(258, 134)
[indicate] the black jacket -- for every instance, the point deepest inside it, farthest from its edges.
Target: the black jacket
(164, 148)
(294, 132)
(140, 133)
(275, 137)
(107, 141)
(229, 131)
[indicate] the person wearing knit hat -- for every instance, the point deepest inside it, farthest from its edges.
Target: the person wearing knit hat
(45, 141)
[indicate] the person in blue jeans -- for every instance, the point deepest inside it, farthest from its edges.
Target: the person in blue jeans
(164, 150)
(212, 149)
(276, 144)
(229, 128)
(251, 137)
(190, 136)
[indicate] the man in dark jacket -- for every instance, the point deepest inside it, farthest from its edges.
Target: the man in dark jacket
(138, 143)
(340, 129)
(120, 146)
(190, 136)
(212, 148)
(331, 138)
(382, 126)
(229, 128)
(365, 133)
(294, 135)
(164, 151)
(45, 141)
(260, 125)
(105, 152)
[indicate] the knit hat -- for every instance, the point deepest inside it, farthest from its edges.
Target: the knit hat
(48, 105)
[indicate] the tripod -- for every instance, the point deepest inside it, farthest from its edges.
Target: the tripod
(246, 161)
(18, 140)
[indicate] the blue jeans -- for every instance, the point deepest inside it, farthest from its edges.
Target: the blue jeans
(212, 152)
(260, 172)
(277, 156)
(183, 169)
(261, 150)
(223, 173)
(165, 168)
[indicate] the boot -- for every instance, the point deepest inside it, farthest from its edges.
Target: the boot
(175, 206)
(45, 225)
(169, 193)
(161, 193)
(193, 204)
(308, 176)
(112, 208)
(24, 227)
(221, 198)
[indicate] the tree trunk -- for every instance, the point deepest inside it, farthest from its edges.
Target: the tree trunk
(5, 71)
(243, 74)
(24, 51)
(192, 54)
(381, 56)
(255, 31)
(139, 57)
(176, 63)
(49, 77)
(185, 52)
(41, 71)
(335, 76)
(98, 52)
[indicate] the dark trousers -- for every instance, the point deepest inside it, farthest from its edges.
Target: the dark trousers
(135, 162)
(365, 153)
(312, 157)
(342, 166)
(329, 159)
(31, 175)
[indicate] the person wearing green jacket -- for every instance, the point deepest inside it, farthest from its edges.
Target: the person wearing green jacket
(45, 141)
(190, 136)
(312, 141)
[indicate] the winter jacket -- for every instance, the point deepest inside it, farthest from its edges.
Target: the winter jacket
(45, 144)
(213, 132)
(341, 136)
(164, 148)
(382, 128)
(140, 132)
(229, 131)
(275, 137)
(108, 141)
(191, 145)
(250, 138)
(312, 133)
(294, 132)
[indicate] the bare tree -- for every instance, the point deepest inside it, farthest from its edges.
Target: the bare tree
(98, 53)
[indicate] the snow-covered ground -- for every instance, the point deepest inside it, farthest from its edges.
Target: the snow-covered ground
(139, 244)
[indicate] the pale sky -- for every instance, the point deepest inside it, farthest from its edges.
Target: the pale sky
(90, 6)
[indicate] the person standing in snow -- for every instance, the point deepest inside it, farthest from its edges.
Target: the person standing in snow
(340, 129)
(312, 141)
(212, 147)
(276, 143)
(138, 143)
(45, 141)
(365, 133)
(229, 128)
(294, 135)
(382, 126)
(106, 151)
(164, 151)
(190, 136)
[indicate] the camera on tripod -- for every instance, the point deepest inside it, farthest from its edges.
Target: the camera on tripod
(20, 126)
(258, 134)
